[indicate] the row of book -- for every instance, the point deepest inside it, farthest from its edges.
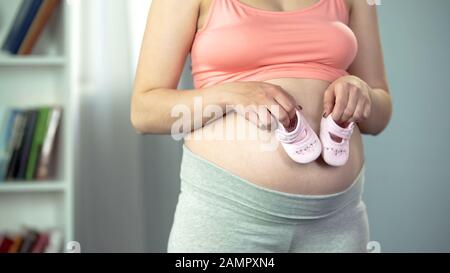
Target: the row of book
(29, 22)
(27, 143)
(32, 241)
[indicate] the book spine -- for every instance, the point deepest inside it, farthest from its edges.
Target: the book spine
(22, 23)
(28, 240)
(6, 244)
(9, 130)
(19, 126)
(4, 117)
(38, 139)
(5, 145)
(55, 243)
(26, 146)
(17, 243)
(38, 26)
(13, 32)
(20, 146)
(41, 243)
(47, 148)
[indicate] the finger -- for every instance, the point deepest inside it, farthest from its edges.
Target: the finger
(328, 101)
(280, 114)
(251, 114)
(341, 101)
(252, 117)
(352, 103)
(264, 118)
(288, 103)
(359, 111)
(367, 110)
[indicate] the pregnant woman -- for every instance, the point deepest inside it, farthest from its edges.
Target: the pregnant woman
(306, 77)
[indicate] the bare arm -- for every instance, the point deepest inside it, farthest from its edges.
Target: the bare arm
(167, 41)
(369, 66)
(170, 30)
(364, 96)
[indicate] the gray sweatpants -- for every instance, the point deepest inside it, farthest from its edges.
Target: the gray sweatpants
(220, 212)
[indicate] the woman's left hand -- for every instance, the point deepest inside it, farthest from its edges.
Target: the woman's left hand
(348, 99)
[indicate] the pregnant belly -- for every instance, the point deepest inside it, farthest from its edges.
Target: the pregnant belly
(255, 155)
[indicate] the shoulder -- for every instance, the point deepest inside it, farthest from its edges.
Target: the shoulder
(184, 2)
(175, 10)
(361, 4)
(178, 4)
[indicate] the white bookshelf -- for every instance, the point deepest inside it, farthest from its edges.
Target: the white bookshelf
(25, 187)
(45, 78)
(32, 61)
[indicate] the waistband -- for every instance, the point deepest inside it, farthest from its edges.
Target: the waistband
(214, 183)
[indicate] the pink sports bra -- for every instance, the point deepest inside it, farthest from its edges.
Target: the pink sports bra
(243, 43)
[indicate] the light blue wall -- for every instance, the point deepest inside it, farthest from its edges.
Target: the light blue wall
(408, 176)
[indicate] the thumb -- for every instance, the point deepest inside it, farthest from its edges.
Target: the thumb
(328, 101)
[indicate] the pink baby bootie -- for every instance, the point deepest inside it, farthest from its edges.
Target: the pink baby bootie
(335, 152)
(301, 144)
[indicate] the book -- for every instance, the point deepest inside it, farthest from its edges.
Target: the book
(16, 143)
(6, 244)
(55, 242)
(22, 22)
(44, 165)
(29, 238)
(17, 243)
(4, 113)
(26, 143)
(6, 129)
(38, 25)
(19, 149)
(41, 243)
(38, 141)
(3, 125)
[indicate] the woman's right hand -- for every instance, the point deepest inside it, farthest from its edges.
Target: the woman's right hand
(261, 103)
